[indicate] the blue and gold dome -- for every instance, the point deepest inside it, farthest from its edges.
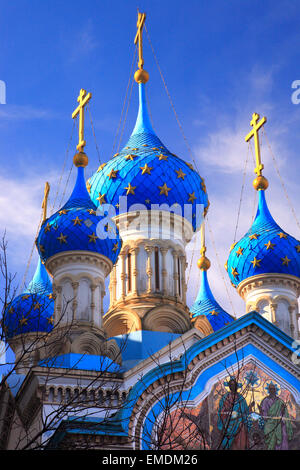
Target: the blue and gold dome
(32, 311)
(77, 225)
(265, 248)
(205, 303)
(148, 173)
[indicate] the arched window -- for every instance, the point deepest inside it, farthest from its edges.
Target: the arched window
(179, 276)
(156, 263)
(129, 271)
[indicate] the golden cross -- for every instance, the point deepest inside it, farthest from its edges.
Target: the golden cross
(256, 126)
(45, 201)
(82, 99)
(139, 37)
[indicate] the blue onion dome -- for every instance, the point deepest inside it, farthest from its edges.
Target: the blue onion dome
(78, 225)
(265, 248)
(149, 174)
(205, 303)
(32, 311)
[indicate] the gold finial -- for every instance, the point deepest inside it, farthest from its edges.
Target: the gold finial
(203, 262)
(45, 201)
(80, 159)
(260, 182)
(140, 76)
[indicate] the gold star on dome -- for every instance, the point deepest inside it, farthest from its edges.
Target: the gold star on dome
(23, 321)
(234, 272)
(88, 186)
(130, 157)
(203, 186)
(239, 252)
(42, 249)
(92, 238)
(285, 261)
(37, 306)
(213, 312)
(11, 310)
(63, 212)
(25, 297)
(130, 189)
(50, 296)
(232, 246)
(112, 174)
(162, 157)
(226, 265)
(47, 228)
(146, 169)
(116, 246)
(50, 320)
(190, 166)
(135, 149)
(282, 235)
(254, 236)
(101, 198)
(147, 201)
(62, 238)
(192, 197)
(77, 221)
(102, 166)
(164, 190)
(117, 205)
(145, 145)
(155, 148)
(115, 155)
(91, 211)
(297, 248)
(269, 245)
(180, 173)
(256, 262)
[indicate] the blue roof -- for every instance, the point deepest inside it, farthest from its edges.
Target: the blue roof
(78, 226)
(33, 309)
(265, 248)
(206, 304)
(81, 362)
(152, 173)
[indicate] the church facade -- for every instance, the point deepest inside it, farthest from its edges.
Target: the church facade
(151, 373)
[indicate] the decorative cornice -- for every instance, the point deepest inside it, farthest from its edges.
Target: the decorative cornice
(261, 280)
(72, 257)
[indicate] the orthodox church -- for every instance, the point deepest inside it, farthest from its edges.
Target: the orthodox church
(151, 372)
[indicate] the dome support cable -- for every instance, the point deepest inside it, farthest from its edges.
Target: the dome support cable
(281, 179)
(242, 193)
(94, 134)
(125, 101)
(187, 145)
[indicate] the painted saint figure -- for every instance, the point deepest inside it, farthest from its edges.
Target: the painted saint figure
(233, 416)
(278, 429)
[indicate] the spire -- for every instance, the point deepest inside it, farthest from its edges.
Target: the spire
(45, 201)
(260, 182)
(143, 123)
(203, 262)
(40, 283)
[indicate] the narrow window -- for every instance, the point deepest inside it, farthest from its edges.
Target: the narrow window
(156, 258)
(179, 277)
(129, 271)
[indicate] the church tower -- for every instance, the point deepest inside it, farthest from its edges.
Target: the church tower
(264, 265)
(76, 251)
(159, 201)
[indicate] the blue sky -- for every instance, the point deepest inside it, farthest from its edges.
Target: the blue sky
(221, 61)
